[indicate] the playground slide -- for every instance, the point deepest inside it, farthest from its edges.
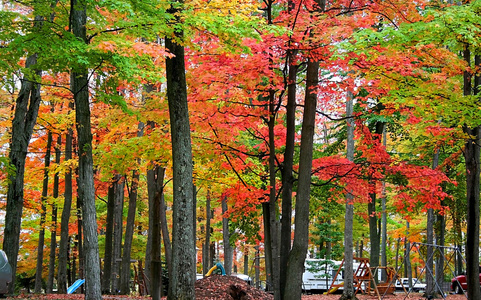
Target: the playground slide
(75, 286)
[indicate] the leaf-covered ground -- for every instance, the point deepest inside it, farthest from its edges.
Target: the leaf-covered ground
(218, 287)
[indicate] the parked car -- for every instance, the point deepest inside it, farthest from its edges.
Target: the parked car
(459, 283)
(5, 273)
(404, 282)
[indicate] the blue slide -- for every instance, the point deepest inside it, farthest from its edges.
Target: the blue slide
(75, 286)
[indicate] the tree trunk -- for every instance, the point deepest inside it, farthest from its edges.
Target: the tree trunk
(374, 230)
(43, 215)
(440, 231)
(164, 227)
(228, 251)
(53, 231)
(472, 160)
(348, 293)
(106, 277)
(267, 244)
(273, 204)
(286, 171)
(64, 235)
(155, 179)
(26, 111)
(298, 253)
(182, 278)
(407, 258)
(128, 237)
(119, 184)
(130, 226)
(206, 260)
(430, 290)
(86, 186)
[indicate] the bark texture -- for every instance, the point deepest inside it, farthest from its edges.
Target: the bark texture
(297, 256)
(64, 221)
(348, 293)
(86, 187)
(182, 278)
(26, 111)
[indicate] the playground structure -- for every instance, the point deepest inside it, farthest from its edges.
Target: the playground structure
(363, 280)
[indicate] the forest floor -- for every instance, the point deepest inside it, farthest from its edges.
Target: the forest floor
(397, 296)
(218, 287)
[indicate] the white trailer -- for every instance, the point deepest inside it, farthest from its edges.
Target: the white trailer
(319, 274)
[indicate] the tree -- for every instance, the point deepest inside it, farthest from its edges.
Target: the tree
(86, 186)
(182, 278)
(298, 252)
(43, 215)
(26, 111)
(348, 293)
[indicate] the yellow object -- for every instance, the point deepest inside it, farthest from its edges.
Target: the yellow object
(211, 270)
(333, 289)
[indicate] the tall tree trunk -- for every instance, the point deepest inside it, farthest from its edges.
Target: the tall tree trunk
(43, 215)
(130, 226)
(286, 171)
(182, 278)
(86, 186)
(348, 293)
(128, 236)
(430, 290)
(407, 258)
(155, 180)
(267, 244)
(440, 231)
(472, 160)
(273, 205)
(80, 250)
(53, 230)
(206, 260)
(228, 251)
(164, 227)
(109, 230)
(374, 230)
(64, 222)
(383, 221)
(26, 111)
(119, 184)
(298, 253)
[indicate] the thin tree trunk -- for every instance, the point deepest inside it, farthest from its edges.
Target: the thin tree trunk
(440, 231)
(130, 226)
(298, 253)
(287, 177)
(348, 293)
(106, 277)
(407, 258)
(64, 225)
(156, 183)
(430, 290)
(164, 226)
(119, 184)
(43, 215)
(206, 261)
(53, 231)
(182, 278)
(472, 160)
(228, 251)
(267, 244)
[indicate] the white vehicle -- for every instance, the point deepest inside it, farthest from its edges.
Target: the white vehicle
(319, 274)
(417, 284)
